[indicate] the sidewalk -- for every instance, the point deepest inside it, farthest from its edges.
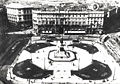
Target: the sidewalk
(22, 32)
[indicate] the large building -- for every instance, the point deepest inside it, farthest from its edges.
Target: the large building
(50, 19)
(19, 16)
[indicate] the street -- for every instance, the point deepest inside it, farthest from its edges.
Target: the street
(13, 51)
(10, 56)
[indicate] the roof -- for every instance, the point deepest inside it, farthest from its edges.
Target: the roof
(17, 5)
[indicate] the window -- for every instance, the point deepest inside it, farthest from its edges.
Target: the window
(76, 23)
(35, 20)
(20, 19)
(19, 11)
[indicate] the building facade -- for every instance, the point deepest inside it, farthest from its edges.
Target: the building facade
(67, 21)
(19, 16)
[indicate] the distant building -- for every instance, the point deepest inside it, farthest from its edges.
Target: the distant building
(3, 19)
(67, 21)
(19, 16)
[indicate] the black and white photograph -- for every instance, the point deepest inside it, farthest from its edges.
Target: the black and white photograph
(59, 41)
